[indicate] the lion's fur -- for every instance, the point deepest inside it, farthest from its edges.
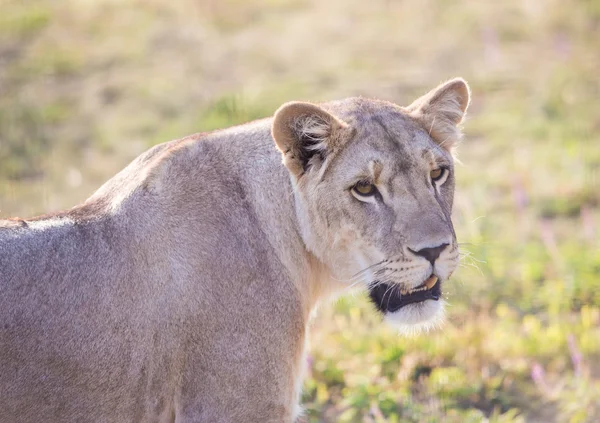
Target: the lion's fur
(181, 290)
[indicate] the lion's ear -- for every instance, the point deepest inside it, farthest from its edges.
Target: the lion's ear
(305, 134)
(441, 111)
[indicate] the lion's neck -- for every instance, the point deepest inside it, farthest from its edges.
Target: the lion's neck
(238, 171)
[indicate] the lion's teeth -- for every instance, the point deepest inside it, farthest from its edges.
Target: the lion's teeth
(429, 283)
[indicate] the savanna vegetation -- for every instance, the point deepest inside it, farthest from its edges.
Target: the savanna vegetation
(86, 85)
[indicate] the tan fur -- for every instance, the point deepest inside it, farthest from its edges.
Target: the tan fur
(442, 110)
(181, 290)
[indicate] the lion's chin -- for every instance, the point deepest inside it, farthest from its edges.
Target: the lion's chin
(415, 318)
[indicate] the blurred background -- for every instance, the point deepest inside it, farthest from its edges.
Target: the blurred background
(87, 85)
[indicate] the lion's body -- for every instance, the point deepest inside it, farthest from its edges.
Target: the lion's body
(179, 292)
(137, 306)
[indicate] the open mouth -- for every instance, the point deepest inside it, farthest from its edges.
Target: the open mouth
(389, 297)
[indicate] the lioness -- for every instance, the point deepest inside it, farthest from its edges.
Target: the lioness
(181, 290)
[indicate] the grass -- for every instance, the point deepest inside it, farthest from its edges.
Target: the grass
(86, 86)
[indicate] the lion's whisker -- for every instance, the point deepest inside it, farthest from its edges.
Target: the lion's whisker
(368, 268)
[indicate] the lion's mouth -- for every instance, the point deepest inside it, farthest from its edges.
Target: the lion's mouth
(389, 297)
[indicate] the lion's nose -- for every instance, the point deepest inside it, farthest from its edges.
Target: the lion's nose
(430, 254)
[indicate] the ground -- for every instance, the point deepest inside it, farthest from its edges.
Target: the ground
(88, 85)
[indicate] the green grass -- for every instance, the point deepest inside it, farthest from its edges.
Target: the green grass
(86, 86)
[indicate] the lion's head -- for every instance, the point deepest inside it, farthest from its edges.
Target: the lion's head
(374, 186)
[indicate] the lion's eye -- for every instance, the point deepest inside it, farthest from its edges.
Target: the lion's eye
(437, 174)
(364, 189)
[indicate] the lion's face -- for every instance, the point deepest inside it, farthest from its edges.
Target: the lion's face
(374, 190)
